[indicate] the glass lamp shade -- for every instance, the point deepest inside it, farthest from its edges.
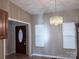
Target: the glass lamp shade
(56, 20)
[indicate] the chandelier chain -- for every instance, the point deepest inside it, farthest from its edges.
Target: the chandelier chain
(55, 6)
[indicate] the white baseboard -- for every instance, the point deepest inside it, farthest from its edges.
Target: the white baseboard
(49, 56)
(12, 52)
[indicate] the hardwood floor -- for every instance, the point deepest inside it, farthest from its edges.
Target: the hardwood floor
(21, 56)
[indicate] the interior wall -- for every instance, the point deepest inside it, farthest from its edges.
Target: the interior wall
(10, 42)
(14, 12)
(18, 13)
(55, 43)
(4, 4)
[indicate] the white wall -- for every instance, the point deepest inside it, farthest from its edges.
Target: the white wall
(10, 42)
(55, 43)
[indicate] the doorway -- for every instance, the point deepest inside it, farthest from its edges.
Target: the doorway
(20, 37)
(13, 47)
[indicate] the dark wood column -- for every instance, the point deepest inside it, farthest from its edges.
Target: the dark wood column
(77, 32)
(3, 24)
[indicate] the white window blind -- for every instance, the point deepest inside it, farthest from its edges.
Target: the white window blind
(40, 35)
(69, 36)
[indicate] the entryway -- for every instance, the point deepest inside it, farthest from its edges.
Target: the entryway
(18, 39)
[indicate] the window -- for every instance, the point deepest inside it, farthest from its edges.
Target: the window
(41, 35)
(69, 36)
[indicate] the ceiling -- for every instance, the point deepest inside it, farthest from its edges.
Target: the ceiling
(46, 6)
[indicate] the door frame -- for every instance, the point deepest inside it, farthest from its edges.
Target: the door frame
(29, 28)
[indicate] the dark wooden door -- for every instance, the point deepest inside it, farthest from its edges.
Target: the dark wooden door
(20, 39)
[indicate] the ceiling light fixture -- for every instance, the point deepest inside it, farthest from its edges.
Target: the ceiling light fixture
(56, 20)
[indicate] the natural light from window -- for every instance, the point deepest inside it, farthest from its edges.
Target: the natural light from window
(69, 35)
(41, 35)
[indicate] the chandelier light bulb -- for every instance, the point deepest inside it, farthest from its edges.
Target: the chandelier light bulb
(56, 20)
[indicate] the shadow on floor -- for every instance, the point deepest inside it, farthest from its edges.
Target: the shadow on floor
(23, 56)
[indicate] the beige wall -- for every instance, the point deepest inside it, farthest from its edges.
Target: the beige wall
(14, 12)
(19, 14)
(4, 4)
(55, 43)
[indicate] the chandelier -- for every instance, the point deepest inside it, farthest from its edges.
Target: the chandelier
(56, 20)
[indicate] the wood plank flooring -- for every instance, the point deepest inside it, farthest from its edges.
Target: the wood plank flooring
(21, 56)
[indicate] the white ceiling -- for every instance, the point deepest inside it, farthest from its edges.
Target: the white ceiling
(46, 6)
